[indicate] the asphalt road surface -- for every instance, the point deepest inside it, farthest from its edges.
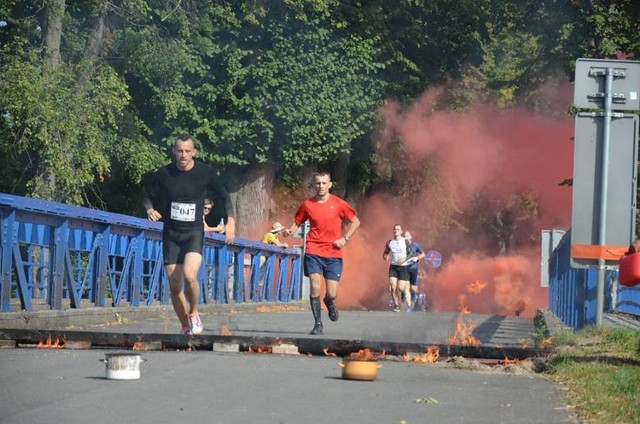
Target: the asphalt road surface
(70, 386)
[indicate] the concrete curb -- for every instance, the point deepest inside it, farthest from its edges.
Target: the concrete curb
(82, 318)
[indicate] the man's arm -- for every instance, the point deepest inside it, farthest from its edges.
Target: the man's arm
(354, 223)
(151, 191)
(386, 252)
(230, 224)
(230, 229)
(421, 255)
(152, 214)
(291, 230)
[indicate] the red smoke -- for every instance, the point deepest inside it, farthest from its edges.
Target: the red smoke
(482, 149)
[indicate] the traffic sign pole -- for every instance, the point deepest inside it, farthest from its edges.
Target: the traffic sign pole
(600, 140)
(604, 183)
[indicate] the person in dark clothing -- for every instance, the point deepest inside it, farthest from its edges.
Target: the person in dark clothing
(175, 195)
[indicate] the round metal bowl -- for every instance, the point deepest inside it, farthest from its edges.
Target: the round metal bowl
(122, 366)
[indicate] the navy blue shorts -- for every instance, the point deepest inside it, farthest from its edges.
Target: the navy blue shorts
(413, 276)
(330, 268)
(177, 243)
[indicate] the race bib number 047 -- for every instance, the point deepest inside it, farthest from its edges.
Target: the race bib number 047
(185, 212)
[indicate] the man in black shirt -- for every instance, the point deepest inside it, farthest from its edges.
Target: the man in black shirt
(175, 194)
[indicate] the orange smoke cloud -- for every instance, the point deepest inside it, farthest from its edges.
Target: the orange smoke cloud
(482, 149)
(512, 285)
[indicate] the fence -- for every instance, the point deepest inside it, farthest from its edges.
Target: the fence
(572, 291)
(59, 256)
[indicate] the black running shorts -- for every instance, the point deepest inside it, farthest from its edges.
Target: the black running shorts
(177, 243)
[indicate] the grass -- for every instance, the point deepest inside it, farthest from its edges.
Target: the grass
(601, 371)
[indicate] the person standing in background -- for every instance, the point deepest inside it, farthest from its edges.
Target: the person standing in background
(208, 207)
(271, 236)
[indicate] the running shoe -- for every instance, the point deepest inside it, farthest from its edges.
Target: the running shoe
(196, 324)
(185, 331)
(317, 329)
(332, 310)
(396, 308)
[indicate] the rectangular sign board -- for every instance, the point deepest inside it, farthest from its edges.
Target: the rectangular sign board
(590, 79)
(621, 187)
(549, 242)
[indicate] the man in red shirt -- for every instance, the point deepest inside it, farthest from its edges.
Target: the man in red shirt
(323, 253)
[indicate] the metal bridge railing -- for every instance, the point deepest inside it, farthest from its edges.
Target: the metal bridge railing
(572, 291)
(63, 256)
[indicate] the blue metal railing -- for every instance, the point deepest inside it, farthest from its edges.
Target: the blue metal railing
(68, 256)
(572, 291)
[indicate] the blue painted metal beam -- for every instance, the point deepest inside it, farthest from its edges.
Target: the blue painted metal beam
(53, 251)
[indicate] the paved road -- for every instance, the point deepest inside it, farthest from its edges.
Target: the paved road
(69, 386)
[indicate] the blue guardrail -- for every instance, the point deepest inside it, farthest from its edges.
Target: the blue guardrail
(572, 291)
(63, 256)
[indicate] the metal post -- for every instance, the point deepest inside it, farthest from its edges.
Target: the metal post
(604, 167)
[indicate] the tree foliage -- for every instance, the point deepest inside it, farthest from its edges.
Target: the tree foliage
(294, 84)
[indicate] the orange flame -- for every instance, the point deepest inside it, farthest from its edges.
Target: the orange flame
(224, 331)
(137, 346)
(259, 349)
(327, 353)
(366, 355)
(476, 287)
(463, 334)
(508, 361)
(432, 355)
(51, 344)
(545, 342)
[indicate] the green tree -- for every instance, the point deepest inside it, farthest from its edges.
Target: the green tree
(275, 90)
(62, 107)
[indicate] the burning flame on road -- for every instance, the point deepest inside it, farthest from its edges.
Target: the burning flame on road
(51, 344)
(259, 349)
(463, 334)
(224, 331)
(327, 353)
(137, 346)
(508, 362)
(432, 355)
(366, 355)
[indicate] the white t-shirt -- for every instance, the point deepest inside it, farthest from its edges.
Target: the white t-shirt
(399, 252)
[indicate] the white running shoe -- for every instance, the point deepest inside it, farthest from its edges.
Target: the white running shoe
(196, 324)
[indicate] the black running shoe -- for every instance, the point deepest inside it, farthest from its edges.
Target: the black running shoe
(333, 313)
(317, 329)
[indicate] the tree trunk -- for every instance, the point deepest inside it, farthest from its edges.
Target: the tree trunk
(340, 174)
(45, 180)
(53, 34)
(253, 201)
(92, 50)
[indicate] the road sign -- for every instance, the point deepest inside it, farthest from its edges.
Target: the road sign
(621, 187)
(433, 258)
(589, 89)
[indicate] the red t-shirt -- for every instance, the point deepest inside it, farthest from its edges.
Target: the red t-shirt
(325, 221)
